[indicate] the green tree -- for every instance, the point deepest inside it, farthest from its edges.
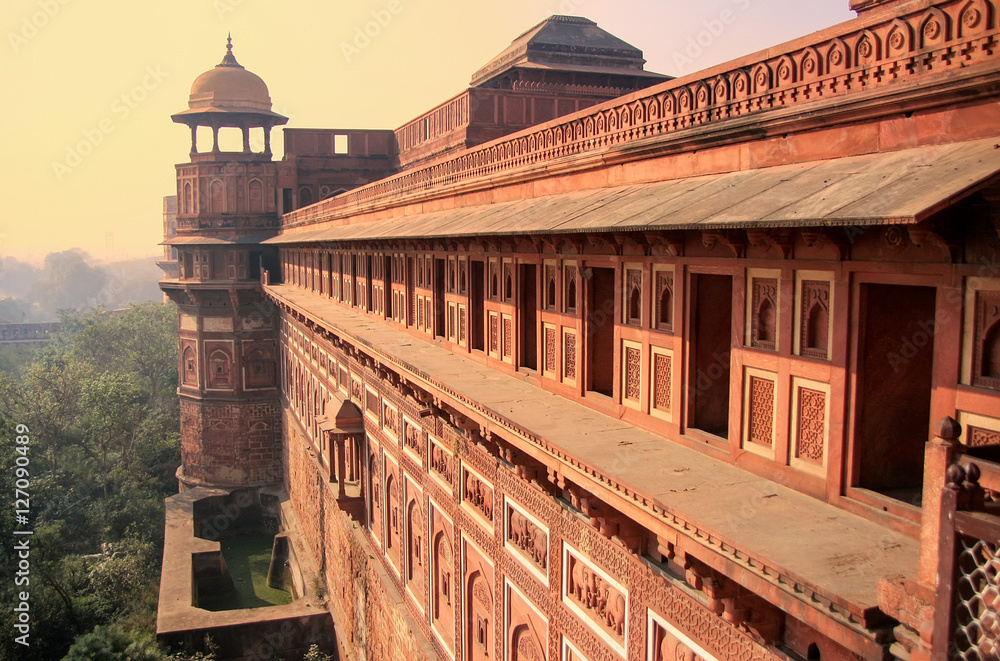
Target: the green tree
(47, 399)
(103, 451)
(112, 643)
(141, 341)
(112, 416)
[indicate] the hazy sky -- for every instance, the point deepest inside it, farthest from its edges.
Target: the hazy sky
(89, 85)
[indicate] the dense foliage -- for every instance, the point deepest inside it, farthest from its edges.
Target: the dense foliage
(100, 406)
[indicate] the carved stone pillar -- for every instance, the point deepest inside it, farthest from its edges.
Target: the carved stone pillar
(938, 456)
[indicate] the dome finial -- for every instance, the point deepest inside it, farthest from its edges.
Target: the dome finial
(229, 60)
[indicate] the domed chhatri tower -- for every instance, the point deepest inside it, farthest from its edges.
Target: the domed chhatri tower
(226, 205)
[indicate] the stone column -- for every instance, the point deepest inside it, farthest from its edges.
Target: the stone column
(938, 456)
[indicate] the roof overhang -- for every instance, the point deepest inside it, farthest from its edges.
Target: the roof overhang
(892, 188)
(215, 240)
(192, 115)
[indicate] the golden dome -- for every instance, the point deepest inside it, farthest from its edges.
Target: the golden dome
(229, 87)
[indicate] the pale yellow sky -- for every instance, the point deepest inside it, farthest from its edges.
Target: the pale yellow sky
(89, 85)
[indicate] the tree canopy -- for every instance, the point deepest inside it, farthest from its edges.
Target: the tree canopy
(98, 401)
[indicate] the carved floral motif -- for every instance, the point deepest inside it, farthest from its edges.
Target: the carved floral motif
(633, 373)
(812, 425)
(662, 376)
(569, 354)
(979, 437)
(761, 417)
(550, 349)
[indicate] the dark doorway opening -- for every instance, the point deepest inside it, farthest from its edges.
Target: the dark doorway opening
(712, 337)
(369, 297)
(255, 264)
(387, 286)
(893, 405)
(600, 329)
(529, 316)
(439, 329)
(477, 305)
(411, 295)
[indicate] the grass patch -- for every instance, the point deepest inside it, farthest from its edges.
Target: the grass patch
(248, 556)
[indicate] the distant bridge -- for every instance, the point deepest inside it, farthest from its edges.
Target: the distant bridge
(27, 333)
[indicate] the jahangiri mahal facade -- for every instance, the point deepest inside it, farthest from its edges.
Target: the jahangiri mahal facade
(590, 363)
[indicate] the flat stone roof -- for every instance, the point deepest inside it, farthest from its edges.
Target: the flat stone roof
(777, 533)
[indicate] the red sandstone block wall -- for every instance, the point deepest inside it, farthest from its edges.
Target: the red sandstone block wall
(370, 622)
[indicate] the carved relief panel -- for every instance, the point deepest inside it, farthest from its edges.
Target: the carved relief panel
(526, 630)
(550, 358)
(631, 373)
(570, 653)
(507, 342)
(762, 317)
(549, 287)
(376, 509)
(810, 425)
(507, 293)
(390, 419)
(412, 438)
(666, 642)
(478, 625)
(569, 356)
(442, 577)
(571, 287)
(759, 411)
(393, 515)
(494, 331)
(441, 461)
(219, 359)
(986, 340)
(980, 431)
(813, 323)
(259, 364)
(416, 532)
(632, 295)
(189, 363)
(527, 539)
(597, 598)
(358, 390)
(477, 494)
(663, 300)
(661, 383)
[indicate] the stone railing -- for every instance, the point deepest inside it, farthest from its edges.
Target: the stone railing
(923, 39)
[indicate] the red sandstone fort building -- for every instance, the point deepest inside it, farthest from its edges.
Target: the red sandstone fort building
(588, 363)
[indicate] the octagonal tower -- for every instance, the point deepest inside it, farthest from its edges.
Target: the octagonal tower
(226, 205)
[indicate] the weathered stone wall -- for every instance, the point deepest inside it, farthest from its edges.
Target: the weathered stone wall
(231, 443)
(370, 619)
(462, 555)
